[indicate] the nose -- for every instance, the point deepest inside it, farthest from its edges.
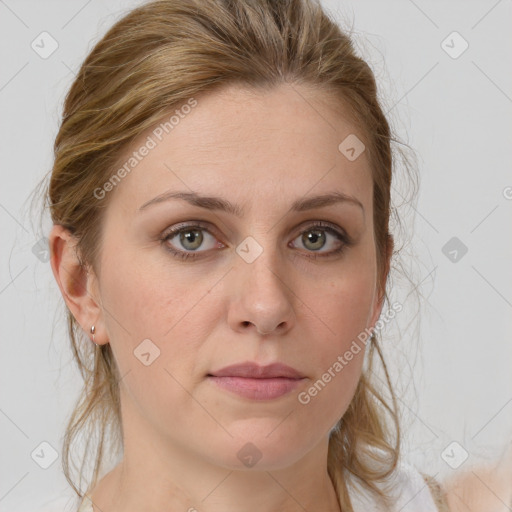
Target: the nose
(260, 297)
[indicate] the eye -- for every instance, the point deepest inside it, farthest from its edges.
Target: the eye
(321, 235)
(190, 238)
(184, 241)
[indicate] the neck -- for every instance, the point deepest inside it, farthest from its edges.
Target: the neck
(151, 479)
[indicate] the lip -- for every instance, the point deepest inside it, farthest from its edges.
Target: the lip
(252, 370)
(255, 382)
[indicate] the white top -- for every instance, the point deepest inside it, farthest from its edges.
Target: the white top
(410, 491)
(412, 494)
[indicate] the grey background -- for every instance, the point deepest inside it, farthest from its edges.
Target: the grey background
(450, 354)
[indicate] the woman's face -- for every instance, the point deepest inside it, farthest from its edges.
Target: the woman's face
(262, 282)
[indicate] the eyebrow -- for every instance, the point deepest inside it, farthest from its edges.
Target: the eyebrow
(218, 203)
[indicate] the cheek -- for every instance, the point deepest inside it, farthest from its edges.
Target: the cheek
(346, 306)
(139, 302)
(343, 313)
(148, 300)
(150, 294)
(337, 357)
(154, 332)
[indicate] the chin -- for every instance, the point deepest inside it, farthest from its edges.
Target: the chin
(261, 451)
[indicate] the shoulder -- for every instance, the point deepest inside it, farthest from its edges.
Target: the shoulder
(485, 485)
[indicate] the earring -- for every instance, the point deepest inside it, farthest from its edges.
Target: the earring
(93, 331)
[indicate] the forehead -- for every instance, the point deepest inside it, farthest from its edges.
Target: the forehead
(247, 143)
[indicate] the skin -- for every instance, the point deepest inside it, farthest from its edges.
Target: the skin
(261, 151)
(482, 488)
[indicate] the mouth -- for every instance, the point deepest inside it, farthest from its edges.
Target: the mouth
(252, 370)
(255, 382)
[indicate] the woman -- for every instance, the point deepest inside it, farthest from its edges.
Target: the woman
(221, 202)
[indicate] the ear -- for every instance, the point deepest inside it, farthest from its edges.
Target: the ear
(381, 285)
(78, 284)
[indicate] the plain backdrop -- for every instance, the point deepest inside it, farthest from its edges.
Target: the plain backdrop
(445, 79)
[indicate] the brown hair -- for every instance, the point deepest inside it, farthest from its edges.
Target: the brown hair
(151, 61)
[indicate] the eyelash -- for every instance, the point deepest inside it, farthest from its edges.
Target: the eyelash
(342, 237)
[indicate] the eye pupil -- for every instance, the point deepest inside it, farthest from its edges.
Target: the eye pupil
(314, 237)
(191, 236)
